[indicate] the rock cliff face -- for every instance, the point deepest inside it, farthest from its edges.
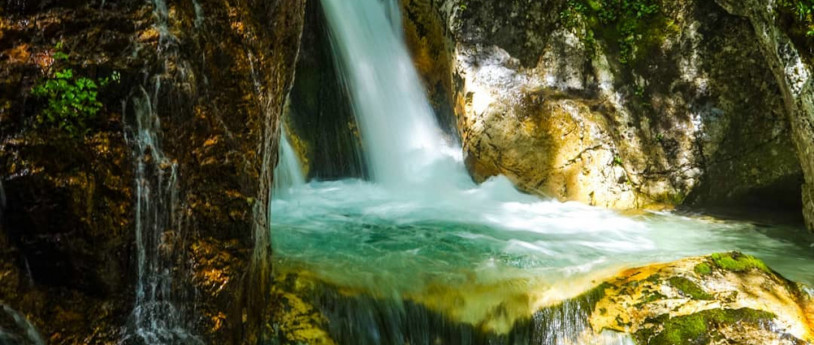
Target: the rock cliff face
(789, 59)
(216, 74)
(683, 110)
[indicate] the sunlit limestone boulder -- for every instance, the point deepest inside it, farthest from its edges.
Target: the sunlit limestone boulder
(684, 111)
(727, 298)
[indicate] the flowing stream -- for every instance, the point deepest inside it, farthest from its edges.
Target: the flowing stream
(421, 228)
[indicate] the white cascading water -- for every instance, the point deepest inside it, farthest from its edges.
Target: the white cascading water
(421, 223)
(288, 173)
(400, 136)
(156, 319)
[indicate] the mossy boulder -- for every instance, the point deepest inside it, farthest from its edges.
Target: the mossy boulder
(726, 297)
(743, 303)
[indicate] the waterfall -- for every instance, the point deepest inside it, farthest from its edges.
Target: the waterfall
(288, 173)
(438, 259)
(400, 135)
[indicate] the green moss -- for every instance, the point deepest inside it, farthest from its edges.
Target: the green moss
(688, 288)
(698, 328)
(703, 269)
(738, 262)
(651, 297)
(631, 24)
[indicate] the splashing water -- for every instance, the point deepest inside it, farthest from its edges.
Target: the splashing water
(421, 228)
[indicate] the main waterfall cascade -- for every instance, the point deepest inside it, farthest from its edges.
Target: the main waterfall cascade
(421, 225)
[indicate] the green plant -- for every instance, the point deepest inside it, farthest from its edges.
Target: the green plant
(802, 12)
(59, 54)
(71, 101)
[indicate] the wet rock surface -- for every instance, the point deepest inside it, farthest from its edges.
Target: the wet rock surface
(218, 74)
(726, 298)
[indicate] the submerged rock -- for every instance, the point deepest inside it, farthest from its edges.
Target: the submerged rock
(727, 298)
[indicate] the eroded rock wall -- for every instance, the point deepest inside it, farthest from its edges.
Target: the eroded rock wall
(217, 74)
(691, 114)
(791, 67)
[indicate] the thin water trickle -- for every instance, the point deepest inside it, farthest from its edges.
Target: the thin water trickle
(2, 199)
(422, 230)
(288, 173)
(156, 318)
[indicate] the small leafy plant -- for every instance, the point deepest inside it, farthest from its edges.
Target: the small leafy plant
(803, 12)
(71, 101)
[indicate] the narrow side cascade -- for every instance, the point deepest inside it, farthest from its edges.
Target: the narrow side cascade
(400, 135)
(156, 319)
(288, 173)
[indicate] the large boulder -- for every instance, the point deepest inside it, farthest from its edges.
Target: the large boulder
(726, 298)
(685, 111)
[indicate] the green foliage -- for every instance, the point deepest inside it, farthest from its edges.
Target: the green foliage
(737, 262)
(624, 20)
(803, 12)
(71, 101)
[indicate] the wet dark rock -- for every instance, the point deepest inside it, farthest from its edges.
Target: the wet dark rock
(67, 234)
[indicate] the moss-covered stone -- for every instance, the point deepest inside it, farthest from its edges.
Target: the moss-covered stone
(737, 262)
(702, 269)
(699, 328)
(689, 288)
